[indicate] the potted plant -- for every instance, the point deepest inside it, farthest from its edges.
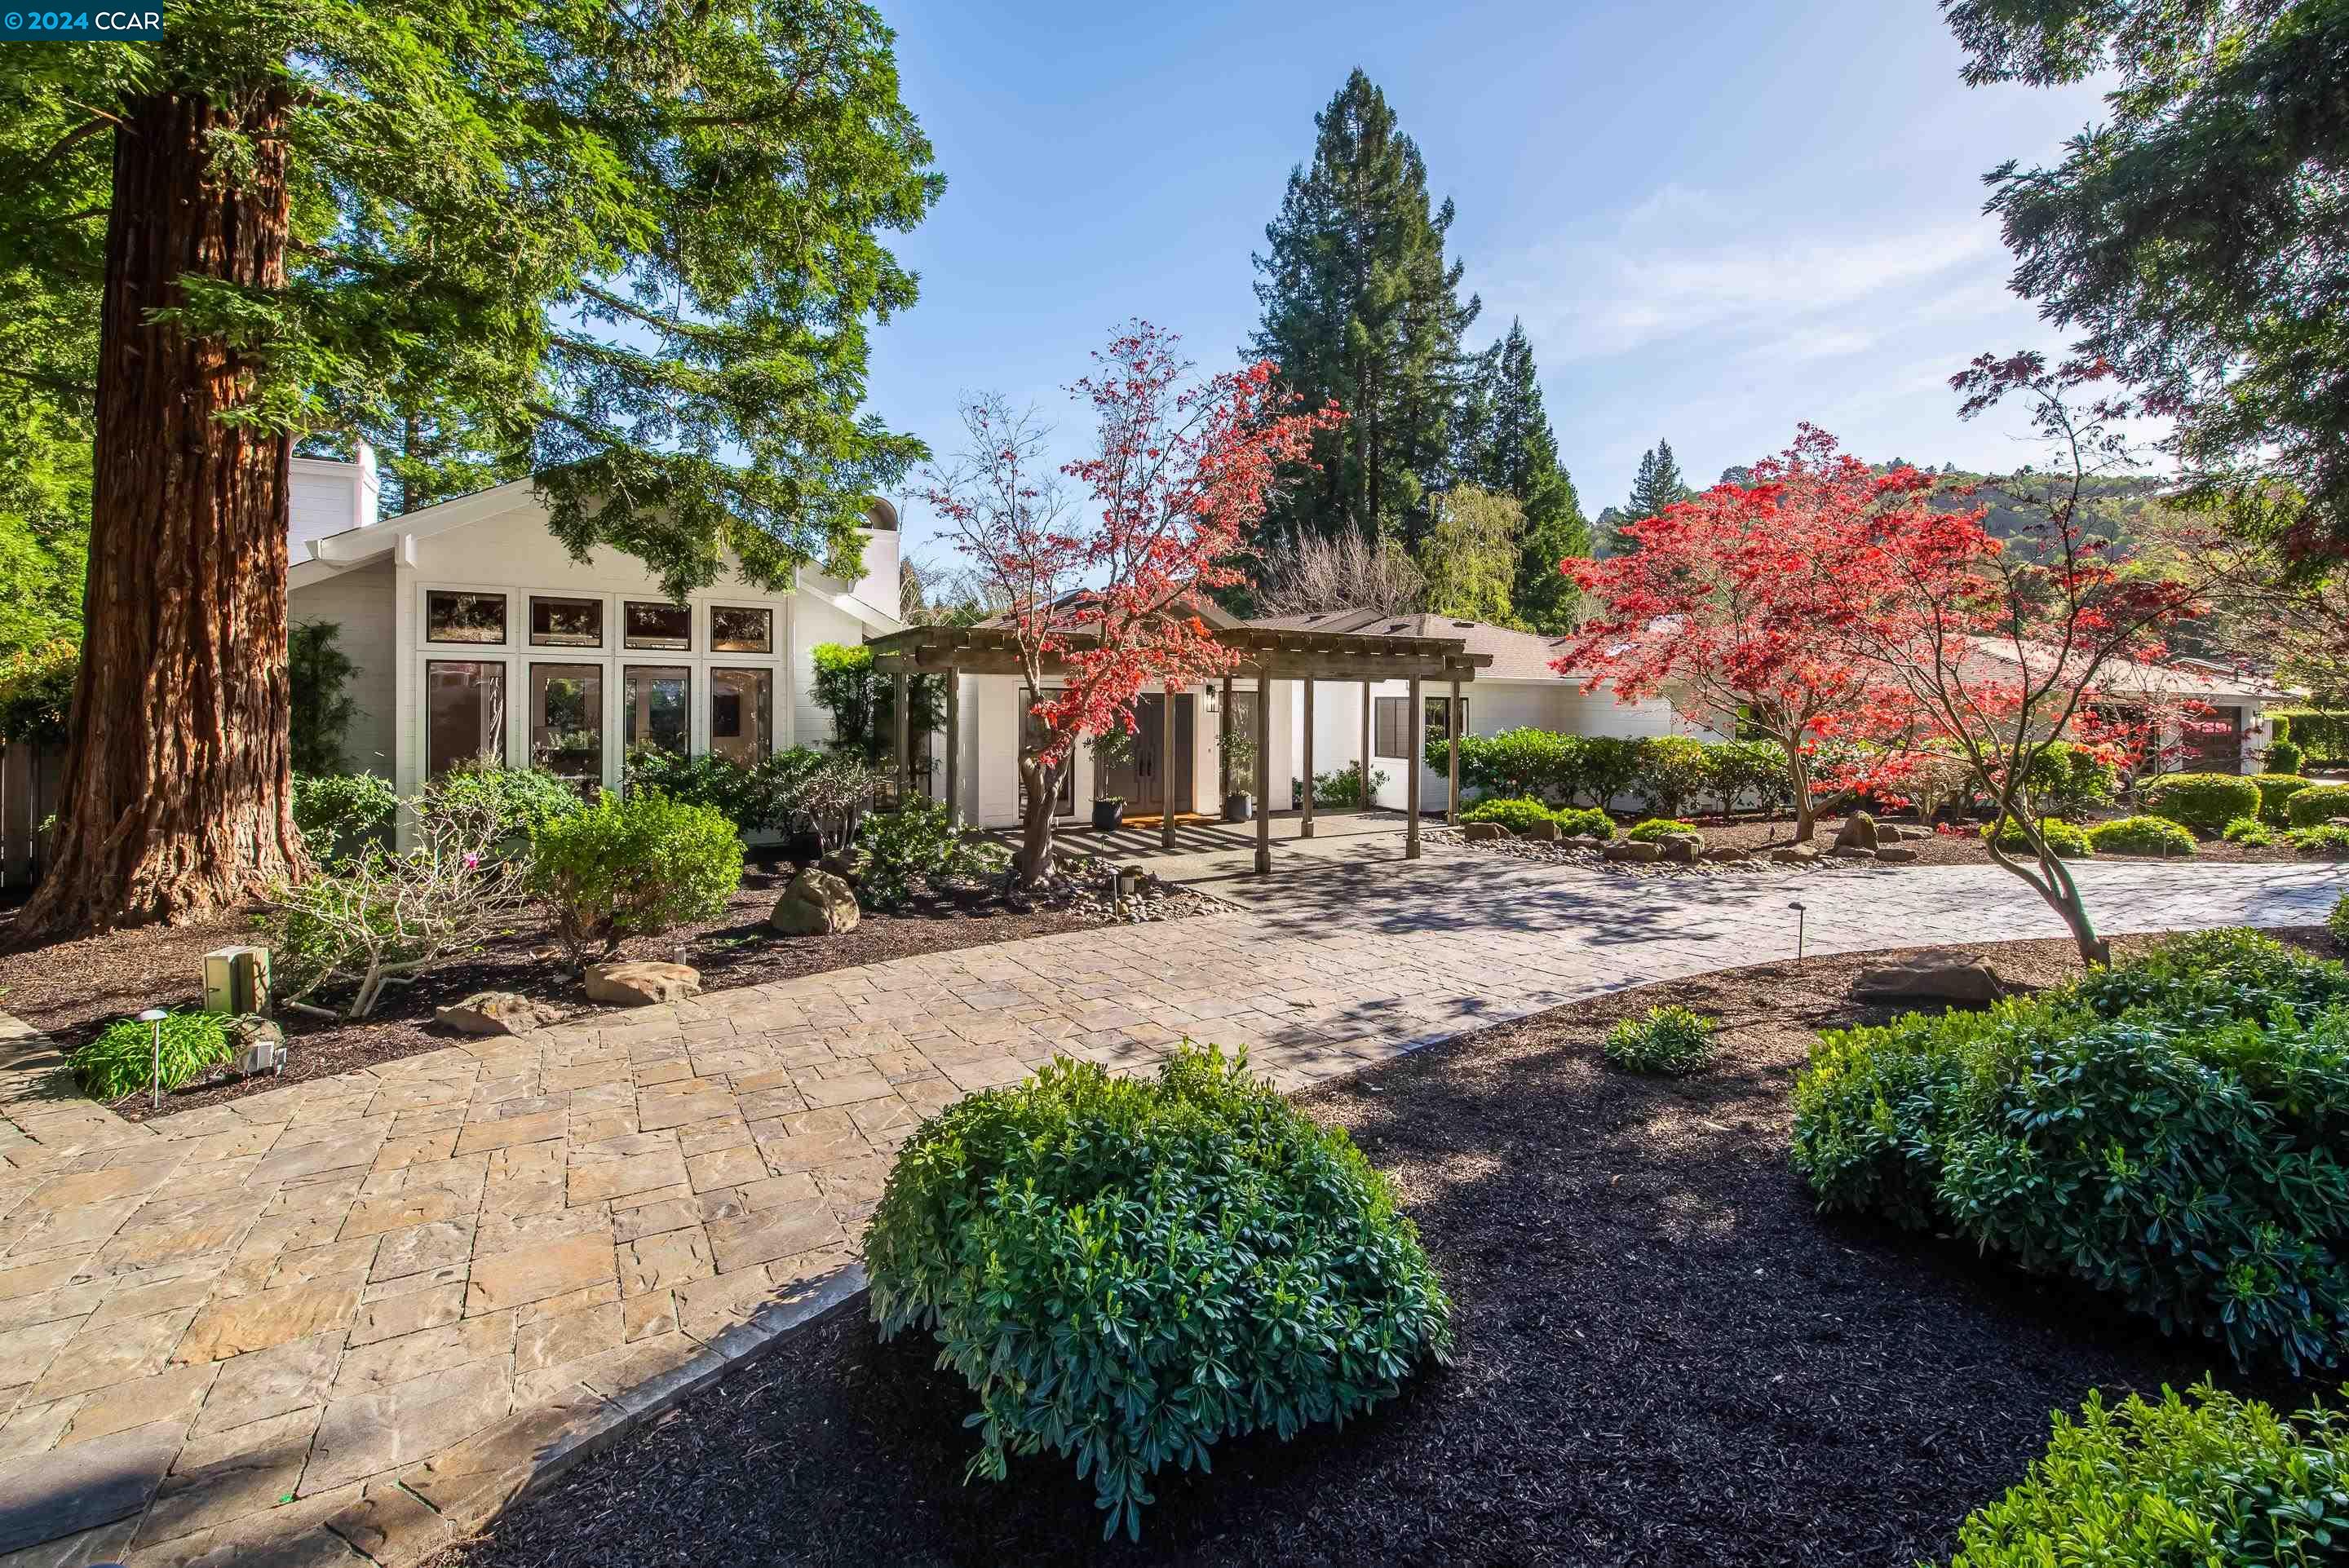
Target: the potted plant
(1239, 767)
(1111, 747)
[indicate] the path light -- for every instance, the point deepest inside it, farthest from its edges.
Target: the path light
(155, 1016)
(1796, 905)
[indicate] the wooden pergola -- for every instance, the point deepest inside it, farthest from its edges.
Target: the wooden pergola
(1266, 654)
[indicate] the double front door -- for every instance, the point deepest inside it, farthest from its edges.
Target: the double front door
(1142, 776)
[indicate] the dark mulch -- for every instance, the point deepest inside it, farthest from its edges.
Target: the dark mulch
(1665, 1358)
(72, 990)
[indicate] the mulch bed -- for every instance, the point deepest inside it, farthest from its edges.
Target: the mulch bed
(1665, 1356)
(72, 990)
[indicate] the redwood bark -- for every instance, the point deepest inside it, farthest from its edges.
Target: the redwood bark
(176, 799)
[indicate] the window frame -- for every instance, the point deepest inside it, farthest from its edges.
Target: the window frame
(630, 743)
(768, 610)
(504, 668)
(629, 644)
(504, 596)
(712, 672)
(600, 672)
(603, 603)
(1381, 707)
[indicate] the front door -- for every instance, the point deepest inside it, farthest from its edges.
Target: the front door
(1142, 777)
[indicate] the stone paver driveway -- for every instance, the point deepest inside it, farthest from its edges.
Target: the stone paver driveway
(345, 1319)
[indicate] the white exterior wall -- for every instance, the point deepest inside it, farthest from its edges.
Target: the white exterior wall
(360, 602)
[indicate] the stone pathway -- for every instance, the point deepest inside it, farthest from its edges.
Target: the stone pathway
(348, 1319)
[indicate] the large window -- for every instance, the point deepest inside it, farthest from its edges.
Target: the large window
(566, 722)
(465, 713)
(655, 703)
(742, 714)
(565, 622)
(1391, 728)
(657, 625)
(1436, 733)
(742, 631)
(454, 617)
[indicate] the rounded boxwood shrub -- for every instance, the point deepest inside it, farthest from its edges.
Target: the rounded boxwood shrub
(1131, 1272)
(2164, 1131)
(632, 866)
(2317, 805)
(121, 1060)
(2065, 840)
(1667, 1040)
(2276, 791)
(1518, 814)
(1657, 829)
(1584, 822)
(2283, 756)
(2221, 1481)
(2141, 836)
(2205, 802)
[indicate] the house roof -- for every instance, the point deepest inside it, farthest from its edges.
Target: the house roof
(1277, 653)
(2196, 680)
(1515, 655)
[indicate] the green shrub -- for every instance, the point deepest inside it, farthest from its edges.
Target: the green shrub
(917, 847)
(2276, 791)
(743, 795)
(1655, 829)
(121, 1060)
(2282, 757)
(1667, 1040)
(2070, 780)
(1343, 787)
(1673, 770)
(319, 711)
(2071, 842)
(2317, 805)
(2163, 1132)
(36, 688)
(2141, 836)
(2325, 839)
(343, 815)
(1584, 822)
(1517, 763)
(632, 866)
(1756, 768)
(1517, 816)
(2173, 1486)
(520, 801)
(2324, 737)
(1133, 1271)
(2249, 832)
(2337, 923)
(2205, 802)
(2279, 727)
(1605, 766)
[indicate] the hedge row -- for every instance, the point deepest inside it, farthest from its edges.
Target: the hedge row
(1669, 772)
(2323, 737)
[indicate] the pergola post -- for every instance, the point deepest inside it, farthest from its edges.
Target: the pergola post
(1263, 775)
(1166, 771)
(1368, 801)
(1305, 827)
(1413, 765)
(953, 749)
(1451, 795)
(901, 750)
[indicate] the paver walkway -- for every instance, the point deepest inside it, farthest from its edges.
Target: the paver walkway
(345, 1318)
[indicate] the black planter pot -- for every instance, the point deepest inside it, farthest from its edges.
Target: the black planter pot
(803, 848)
(1238, 808)
(1108, 816)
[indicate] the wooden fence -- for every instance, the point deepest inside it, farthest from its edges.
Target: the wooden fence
(28, 794)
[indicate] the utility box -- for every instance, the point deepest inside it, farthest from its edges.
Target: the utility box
(236, 980)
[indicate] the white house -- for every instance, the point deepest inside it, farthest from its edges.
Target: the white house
(474, 630)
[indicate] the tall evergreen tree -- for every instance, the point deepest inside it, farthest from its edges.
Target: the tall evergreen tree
(1655, 486)
(1360, 307)
(1506, 446)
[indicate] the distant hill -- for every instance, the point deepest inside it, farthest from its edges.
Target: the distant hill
(2115, 502)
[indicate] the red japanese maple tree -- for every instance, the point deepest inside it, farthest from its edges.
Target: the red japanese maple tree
(1179, 476)
(1722, 610)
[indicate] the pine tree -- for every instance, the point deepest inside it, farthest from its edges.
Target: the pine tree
(1655, 486)
(1360, 307)
(1506, 446)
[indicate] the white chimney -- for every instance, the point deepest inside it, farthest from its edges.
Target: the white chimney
(331, 497)
(878, 586)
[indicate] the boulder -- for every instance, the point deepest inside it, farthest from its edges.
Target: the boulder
(1962, 978)
(1795, 854)
(1851, 853)
(249, 1031)
(1635, 853)
(1583, 842)
(1896, 855)
(1681, 848)
(816, 903)
(847, 865)
(640, 983)
(1544, 832)
(1858, 832)
(1483, 832)
(1728, 856)
(495, 1012)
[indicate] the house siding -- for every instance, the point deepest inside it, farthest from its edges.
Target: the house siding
(360, 602)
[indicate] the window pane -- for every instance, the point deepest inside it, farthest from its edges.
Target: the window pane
(566, 722)
(659, 625)
(741, 712)
(465, 713)
(1393, 718)
(654, 702)
(742, 631)
(566, 623)
(464, 617)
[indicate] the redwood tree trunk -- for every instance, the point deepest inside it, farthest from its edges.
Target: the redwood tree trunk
(176, 799)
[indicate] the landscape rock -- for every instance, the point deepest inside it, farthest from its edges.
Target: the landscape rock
(816, 903)
(1727, 855)
(1963, 978)
(1681, 848)
(1795, 854)
(845, 864)
(1584, 842)
(1851, 853)
(495, 1012)
(1543, 832)
(1897, 855)
(640, 983)
(1634, 853)
(249, 1030)
(1858, 832)
(1483, 832)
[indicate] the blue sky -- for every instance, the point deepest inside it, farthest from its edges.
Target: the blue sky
(1715, 219)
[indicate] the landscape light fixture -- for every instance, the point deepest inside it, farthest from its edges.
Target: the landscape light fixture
(1796, 905)
(153, 1017)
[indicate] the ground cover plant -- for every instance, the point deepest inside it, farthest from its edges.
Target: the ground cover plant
(2152, 1484)
(122, 1060)
(2249, 832)
(2165, 1131)
(1132, 1272)
(1657, 829)
(1669, 1040)
(916, 848)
